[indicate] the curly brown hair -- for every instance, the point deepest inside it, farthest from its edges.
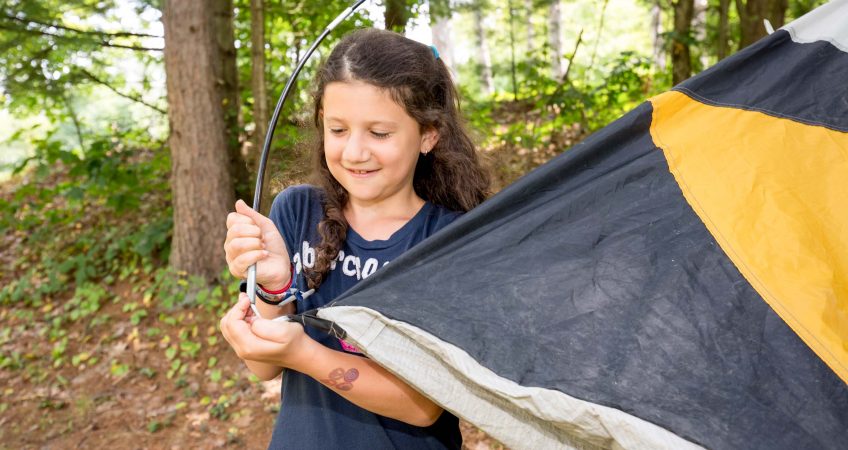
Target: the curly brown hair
(450, 175)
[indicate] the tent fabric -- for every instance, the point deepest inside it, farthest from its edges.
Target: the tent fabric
(755, 75)
(825, 23)
(606, 299)
(784, 226)
(537, 418)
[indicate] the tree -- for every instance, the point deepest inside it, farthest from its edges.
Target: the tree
(723, 34)
(529, 9)
(657, 41)
(440, 27)
(681, 59)
(699, 32)
(555, 38)
(511, 11)
(224, 40)
(751, 15)
(481, 43)
(196, 59)
(258, 84)
(396, 15)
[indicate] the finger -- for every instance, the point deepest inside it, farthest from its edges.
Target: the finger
(234, 314)
(242, 262)
(262, 221)
(228, 324)
(241, 245)
(268, 330)
(280, 332)
(222, 325)
(239, 310)
(263, 328)
(244, 230)
(234, 218)
(243, 304)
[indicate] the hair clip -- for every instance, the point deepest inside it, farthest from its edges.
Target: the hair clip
(435, 52)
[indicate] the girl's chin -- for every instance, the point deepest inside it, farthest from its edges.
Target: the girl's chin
(366, 195)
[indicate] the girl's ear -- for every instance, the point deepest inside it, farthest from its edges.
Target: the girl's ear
(429, 139)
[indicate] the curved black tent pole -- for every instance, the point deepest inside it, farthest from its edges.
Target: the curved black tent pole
(260, 178)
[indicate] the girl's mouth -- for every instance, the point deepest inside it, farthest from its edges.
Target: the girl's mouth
(361, 173)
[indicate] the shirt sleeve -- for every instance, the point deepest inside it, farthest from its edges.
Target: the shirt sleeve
(287, 213)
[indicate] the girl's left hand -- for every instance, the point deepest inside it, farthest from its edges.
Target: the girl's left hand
(280, 344)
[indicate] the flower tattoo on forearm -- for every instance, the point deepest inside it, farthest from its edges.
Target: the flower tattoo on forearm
(340, 379)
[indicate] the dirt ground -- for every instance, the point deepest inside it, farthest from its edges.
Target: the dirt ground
(119, 390)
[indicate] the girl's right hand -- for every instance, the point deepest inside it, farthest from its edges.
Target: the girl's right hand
(254, 239)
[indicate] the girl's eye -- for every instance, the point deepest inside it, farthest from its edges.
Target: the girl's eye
(379, 135)
(337, 130)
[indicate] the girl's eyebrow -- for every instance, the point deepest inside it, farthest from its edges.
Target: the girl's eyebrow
(373, 122)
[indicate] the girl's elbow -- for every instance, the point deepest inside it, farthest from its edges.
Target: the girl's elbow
(266, 376)
(426, 417)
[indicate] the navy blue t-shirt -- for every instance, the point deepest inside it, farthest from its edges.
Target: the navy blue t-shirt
(311, 415)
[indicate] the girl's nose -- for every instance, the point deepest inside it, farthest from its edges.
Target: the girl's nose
(356, 149)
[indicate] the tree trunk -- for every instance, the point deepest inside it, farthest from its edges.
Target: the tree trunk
(222, 28)
(656, 35)
(531, 32)
(260, 92)
(681, 61)
(699, 26)
(396, 15)
(723, 11)
(483, 50)
(512, 50)
(201, 183)
(440, 29)
(554, 21)
(600, 33)
(751, 15)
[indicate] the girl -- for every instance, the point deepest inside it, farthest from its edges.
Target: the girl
(393, 166)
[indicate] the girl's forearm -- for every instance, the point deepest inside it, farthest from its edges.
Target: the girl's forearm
(366, 384)
(263, 371)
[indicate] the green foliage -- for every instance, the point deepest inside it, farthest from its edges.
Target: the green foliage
(554, 114)
(46, 60)
(157, 425)
(82, 219)
(798, 8)
(118, 369)
(176, 290)
(219, 408)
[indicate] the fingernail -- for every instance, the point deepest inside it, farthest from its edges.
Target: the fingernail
(265, 253)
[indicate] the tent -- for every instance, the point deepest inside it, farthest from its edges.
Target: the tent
(677, 280)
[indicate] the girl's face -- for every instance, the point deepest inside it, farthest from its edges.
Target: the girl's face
(371, 144)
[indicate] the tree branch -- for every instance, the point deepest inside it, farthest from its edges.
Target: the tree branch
(77, 30)
(75, 120)
(104, 43)
(571, 58)
(93, 78)
(564, 80)
(600, 30)
(38, 55)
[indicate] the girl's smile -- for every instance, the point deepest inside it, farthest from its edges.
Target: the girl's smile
(362, 173)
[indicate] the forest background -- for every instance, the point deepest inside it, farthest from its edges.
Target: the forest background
(128, 129)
